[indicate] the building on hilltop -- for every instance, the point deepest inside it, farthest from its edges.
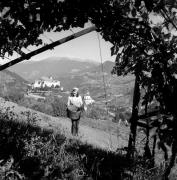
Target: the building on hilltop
(46, 82)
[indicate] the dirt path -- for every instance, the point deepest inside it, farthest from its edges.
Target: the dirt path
(96, 137)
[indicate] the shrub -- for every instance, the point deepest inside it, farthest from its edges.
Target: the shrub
(122, 113)
(59, 108)
(14, 97)
(51, 105)
(95, 112)
(41, 154)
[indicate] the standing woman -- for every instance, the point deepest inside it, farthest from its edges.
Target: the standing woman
(74, 107)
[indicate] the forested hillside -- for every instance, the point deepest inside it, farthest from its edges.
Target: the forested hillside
(53, 66)
(12, 86)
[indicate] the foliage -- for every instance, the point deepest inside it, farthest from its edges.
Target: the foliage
(59, 107)
(143, 48)
(149, 52)
(52, 105)
(12, 93)
(123, 114)
(24, 21)
(39, 154)
(55, 106)
(126, 24)
(96, 112)
(14, 97)
(12, 86)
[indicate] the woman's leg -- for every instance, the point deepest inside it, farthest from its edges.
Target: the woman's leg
(77, 126)
(74, 127)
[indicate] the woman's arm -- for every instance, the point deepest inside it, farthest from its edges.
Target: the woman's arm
(69, 102)
(81, 102)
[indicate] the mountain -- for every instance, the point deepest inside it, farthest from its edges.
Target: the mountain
(107, 67)
(87, 75)
(119, 90)
(84, 74)
(53, 66)
(12, 85)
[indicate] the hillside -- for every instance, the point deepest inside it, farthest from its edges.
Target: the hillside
(94, 136)
(119, 90)
(107, 67)
(53, 66)
(12, 85)
(86, 75)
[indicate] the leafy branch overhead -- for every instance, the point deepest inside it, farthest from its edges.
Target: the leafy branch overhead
(142, 45)
(23, 21)
(142, 33)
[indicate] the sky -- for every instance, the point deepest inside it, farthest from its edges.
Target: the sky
(85, 47)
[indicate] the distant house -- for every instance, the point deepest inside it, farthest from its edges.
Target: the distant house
(87, 99)
(46, 82)
(37, 84)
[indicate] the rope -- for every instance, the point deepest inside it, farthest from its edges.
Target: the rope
(102, 68)
(104, 85)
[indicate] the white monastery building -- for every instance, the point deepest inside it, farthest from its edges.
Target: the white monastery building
(45, 82)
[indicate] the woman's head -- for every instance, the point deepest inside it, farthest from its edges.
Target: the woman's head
(75, 91)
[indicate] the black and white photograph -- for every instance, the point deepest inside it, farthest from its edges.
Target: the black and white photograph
(88, 89)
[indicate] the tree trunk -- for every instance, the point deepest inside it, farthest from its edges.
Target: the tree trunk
(147, 153)
(173, 107)
(134, 119)
(174, 149)
(153, 148)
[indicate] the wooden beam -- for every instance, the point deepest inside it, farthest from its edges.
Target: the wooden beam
(134, 119)
(149, 114)
(143, 124)
(47, 47)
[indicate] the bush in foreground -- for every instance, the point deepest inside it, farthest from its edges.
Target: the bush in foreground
(28, 152)
(41, 154)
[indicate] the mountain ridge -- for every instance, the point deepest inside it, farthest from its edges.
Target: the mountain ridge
(56, 58)
(12, 85)
(50, 67)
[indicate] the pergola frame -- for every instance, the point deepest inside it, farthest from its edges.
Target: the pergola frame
(47, 47)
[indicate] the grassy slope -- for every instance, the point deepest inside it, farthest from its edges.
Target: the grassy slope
(46, 154)
(102, 135)
(53, 66)
(12, 84)
(92, 79)
(88, 134)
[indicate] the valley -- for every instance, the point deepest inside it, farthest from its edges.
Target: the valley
(112, 94)
(100, 126)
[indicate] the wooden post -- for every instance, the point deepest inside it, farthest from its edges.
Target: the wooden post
(147, 152)
(47, 47)
(134, 119)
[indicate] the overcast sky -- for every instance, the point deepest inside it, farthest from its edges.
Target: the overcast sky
(84, 47)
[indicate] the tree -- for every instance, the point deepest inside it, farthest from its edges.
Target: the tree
(142, 48)
(150, 54)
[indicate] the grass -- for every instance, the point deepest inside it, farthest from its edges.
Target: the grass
(46, 154)
(40, 154)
